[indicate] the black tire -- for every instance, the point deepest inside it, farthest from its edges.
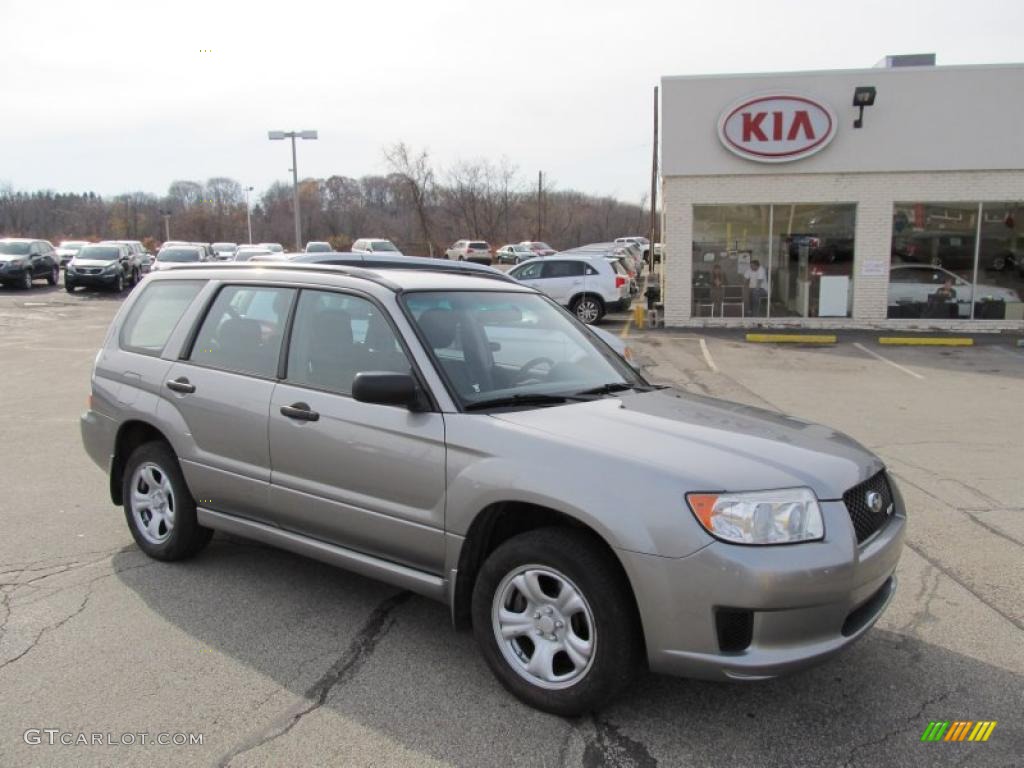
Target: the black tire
(618, 640)
(26, 280)
(588, 308)
(54, 277)
(135, 278)
(186, 537)
(69, 287)
(118, 286)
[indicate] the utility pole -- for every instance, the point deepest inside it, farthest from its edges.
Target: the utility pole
(167, 224)
(654, 186)
(248, 212)
(540, 188)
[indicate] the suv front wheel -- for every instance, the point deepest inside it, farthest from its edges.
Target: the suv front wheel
(556, 622)
(160, 511)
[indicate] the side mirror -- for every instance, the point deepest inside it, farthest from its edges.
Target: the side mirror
(387, 389)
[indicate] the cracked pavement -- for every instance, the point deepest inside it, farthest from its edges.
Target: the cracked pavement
(278, 660)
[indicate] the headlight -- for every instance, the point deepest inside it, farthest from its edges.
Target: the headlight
(760, 517)
(17, 262)
(110, 268)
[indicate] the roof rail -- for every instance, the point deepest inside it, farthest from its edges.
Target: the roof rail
(359, 272)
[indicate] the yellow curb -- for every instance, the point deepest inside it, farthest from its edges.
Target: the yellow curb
(912, 341)
(797, 338)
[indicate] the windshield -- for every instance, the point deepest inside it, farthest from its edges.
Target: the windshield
(219, 247)
(491, 345)
(14, 248)
(276, 247)
(178, 254)
(382, 246)
(245, 254)
(98, 253)
(479, 246)
(319, 248)
(72, 245)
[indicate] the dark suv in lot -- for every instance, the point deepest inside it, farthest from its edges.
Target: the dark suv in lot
(104, 265)
(23, 260)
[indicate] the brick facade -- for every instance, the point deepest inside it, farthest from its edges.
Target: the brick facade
(874, 195)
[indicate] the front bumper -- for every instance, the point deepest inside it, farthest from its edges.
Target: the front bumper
(10, 275)
(805, 601)
(95, 281)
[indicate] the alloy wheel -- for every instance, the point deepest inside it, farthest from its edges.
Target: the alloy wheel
(153, 503)
(587, 311)
(544, 627)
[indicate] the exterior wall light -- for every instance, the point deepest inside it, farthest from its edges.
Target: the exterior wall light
(863, 96)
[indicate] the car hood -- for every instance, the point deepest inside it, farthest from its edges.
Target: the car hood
(712, 445)
(93, 262)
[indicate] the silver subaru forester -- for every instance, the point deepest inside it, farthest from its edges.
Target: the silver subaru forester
(465, 438)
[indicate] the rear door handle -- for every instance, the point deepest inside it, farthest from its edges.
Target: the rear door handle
(181, 384)
(299, 412)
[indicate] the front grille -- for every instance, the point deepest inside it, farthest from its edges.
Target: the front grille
(867, 522)
(735, 628)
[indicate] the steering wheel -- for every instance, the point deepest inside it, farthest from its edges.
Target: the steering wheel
(529, 365)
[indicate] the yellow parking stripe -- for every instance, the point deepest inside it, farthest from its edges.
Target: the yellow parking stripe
(930, 341)
(796, 338)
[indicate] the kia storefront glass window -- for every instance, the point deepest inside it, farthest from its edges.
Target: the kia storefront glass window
(937, 235)
(1000, 263)
(812, 260)
(934, 274)
(727, 241)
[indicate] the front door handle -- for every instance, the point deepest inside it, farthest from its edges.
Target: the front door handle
(181, 384)
(299, 412)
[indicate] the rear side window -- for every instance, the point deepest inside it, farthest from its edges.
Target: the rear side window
(563, 268)
(243, 329)
(153, 317)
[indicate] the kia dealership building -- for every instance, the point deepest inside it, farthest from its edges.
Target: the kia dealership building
(883, 197)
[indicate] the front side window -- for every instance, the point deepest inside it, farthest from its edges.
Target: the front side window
(243, 329)
(528, 271)
(154, 315)
(335, 336)
(494, 345)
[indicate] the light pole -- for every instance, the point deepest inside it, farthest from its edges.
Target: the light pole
(167, 224)
(248, 212)
(277, 136)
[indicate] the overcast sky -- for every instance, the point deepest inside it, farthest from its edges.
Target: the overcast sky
(117, 96)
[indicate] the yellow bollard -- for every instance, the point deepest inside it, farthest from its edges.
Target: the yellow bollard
(639, 315)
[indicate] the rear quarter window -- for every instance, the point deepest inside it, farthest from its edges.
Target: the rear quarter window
(154, 315)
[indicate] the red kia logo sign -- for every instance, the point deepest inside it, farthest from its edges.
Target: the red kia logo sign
(776, 128)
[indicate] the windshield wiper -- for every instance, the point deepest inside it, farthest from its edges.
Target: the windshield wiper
(616, 386)
(525, 399)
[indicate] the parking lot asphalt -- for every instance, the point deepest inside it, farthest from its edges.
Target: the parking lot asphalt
(278, 660)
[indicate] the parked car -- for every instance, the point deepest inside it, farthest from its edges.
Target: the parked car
(513, 254)
(465, 439)
(224, 251)
(639, 241)
(141, 258)
(629, 251)
(589, 287)
(67, 249)
(207, 249)
(248, 252)
(375, 245)
(914, 292)
(318, 246)
(109, 265)
(23, 260)
(539, 248)
(178, 254)
(477, 251)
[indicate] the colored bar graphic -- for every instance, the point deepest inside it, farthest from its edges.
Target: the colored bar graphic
(958, 730)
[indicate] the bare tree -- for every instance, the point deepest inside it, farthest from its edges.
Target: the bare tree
(414, 169)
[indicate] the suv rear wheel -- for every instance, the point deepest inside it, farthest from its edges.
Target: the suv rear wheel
(555, 621)
(160, 511)
(588, 309)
